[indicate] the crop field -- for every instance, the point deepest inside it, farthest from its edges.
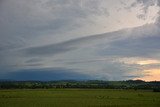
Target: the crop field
(78, 98)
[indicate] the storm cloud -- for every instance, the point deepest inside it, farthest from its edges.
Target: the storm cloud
(78, 39)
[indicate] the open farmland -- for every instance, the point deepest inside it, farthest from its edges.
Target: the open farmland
(78, 98)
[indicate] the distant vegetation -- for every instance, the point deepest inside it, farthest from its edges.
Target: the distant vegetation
(69, 93)
(94, 84)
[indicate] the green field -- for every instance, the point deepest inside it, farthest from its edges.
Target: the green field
(78, 98)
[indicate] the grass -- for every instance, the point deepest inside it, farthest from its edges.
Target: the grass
(78, 98)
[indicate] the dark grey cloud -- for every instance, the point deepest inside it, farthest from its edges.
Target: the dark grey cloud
(135, 47)
(47, 50)
(142, 41)
(33, 60)
(72, 44)
(130, 77)
(45, 75)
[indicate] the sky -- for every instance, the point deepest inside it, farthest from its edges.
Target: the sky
(80, 39)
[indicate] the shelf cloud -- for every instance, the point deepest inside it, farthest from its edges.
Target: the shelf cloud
(79, 39)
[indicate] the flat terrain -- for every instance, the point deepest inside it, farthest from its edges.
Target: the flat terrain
(78, 98)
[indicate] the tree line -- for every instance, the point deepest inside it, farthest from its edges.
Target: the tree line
(129, 84)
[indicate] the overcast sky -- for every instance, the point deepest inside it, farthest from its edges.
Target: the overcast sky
(80, 39)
